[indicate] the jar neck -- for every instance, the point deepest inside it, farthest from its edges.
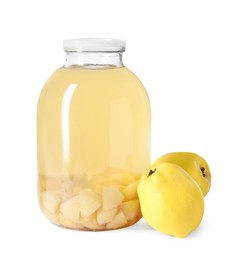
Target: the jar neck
(93, 60)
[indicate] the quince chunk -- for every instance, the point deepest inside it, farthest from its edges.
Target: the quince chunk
(130, 191)
(103, 217)
(111, 197)
(131, 209)
(118, 221)
(71, 210)
(50, 201)
(91, 223)
(89, 201)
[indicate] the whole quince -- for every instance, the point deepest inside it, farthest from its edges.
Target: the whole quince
(193, 164)
(171, 201)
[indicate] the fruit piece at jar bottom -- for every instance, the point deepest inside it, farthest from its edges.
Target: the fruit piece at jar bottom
(111, 198)
(89, 202)
(70, 209)
(108, 207)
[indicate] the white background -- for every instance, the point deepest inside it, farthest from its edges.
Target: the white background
(190, 57)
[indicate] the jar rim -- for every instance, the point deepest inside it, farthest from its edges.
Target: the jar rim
(94, 45)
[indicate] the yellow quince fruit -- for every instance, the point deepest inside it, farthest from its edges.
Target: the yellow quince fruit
(193, 164)
(171, 201)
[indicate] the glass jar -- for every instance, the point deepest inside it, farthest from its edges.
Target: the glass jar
(93, 138)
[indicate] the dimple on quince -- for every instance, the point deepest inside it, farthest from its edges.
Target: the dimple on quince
(171, 201)
(193, 164)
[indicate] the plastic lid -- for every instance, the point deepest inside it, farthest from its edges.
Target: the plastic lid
(94, 45)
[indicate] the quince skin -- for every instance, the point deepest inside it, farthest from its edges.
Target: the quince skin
(193, 164)
(171, 201)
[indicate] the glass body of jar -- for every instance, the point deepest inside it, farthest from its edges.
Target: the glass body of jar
(93, 138)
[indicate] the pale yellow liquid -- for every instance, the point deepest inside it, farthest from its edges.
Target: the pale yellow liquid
(93, 132)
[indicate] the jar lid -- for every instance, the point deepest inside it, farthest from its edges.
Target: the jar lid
(94, 45)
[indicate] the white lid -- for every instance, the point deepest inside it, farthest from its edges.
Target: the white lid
(94, 44)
